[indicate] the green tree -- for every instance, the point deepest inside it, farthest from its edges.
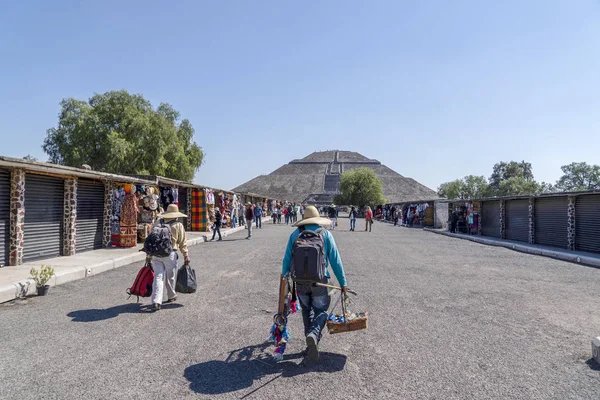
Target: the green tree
(517, 185)
(360, 187)
(469, 187)
(505, 170)
(121, 133)
(579, 176)
(546, 188)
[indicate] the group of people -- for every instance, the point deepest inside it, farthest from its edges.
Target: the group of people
(314, 300)
(288, 211)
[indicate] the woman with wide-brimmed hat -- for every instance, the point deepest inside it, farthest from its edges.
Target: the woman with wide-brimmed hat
(314, 300)
(168, 265)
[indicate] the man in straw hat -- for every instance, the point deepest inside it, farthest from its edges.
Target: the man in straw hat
(168, 265)
(314, 299)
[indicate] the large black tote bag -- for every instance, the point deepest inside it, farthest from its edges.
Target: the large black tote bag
(186, 280)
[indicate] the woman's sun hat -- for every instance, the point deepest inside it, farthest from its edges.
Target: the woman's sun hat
(311, 216)
(172, 212)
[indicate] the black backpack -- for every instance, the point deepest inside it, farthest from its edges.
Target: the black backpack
(159, 242)
(308, 257)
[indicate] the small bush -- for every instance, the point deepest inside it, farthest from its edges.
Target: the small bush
(42, 276)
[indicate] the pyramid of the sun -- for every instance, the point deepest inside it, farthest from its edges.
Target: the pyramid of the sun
(316, 179)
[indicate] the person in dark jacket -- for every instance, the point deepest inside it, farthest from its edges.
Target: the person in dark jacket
(353, 215)
(332, 216)
(453, 222)
(218, 218)
(249, 219)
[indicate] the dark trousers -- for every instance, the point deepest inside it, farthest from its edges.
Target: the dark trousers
(315, 301)
(217, 229)
(258, 219)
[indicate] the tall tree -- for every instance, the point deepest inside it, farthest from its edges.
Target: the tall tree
(360, 187)
(469, 187)
(121, 133)
(517, 185)
(505, 170)
(579, 176)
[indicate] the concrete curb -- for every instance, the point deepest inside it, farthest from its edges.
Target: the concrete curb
(526, 248)
(65, 274)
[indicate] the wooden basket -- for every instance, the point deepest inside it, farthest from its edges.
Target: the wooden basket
(355, 324)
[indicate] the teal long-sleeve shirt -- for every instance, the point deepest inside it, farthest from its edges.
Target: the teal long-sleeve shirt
(332, 255)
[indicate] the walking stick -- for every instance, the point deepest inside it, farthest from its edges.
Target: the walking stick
(335, 287)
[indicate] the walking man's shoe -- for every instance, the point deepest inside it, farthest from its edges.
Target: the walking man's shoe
(155, 307)
(173, 300)
(312, 349)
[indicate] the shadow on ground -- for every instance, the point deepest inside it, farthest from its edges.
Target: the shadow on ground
(246, 365)
(594, 366)
(101, 314)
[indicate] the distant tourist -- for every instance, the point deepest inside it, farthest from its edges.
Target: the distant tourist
(249, 219)
(290, 211)
(333, 216)
(453, 222)
(353, 215)
(258, 212)
(314, 300)
(217, 227)
(368, 219)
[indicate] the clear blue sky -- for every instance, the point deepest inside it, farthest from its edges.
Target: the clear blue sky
(434, 89)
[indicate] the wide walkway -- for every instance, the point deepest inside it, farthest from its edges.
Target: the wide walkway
(449, 319)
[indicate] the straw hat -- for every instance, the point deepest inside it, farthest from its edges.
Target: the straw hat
(172, 212)
(311, 216)
(248, 204)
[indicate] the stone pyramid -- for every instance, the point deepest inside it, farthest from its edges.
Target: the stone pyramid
(316, 179)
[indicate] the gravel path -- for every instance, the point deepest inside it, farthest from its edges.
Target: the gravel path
(449, 319)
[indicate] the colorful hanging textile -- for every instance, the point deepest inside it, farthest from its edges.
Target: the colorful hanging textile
(198, 211)
(129, 221)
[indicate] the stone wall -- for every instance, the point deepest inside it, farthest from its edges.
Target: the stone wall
(531, 220)
(70, 217)
(480, 218)
(502, 219)
(440, 210)
(108, 193)
(17, 216)
(571, 223)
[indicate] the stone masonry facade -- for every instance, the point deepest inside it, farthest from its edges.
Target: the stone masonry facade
(531, 220)
(70, 217)
(108, 195)
(571, 223)
(503, 219)
(189, 209)
(480, 219)
(17, 216)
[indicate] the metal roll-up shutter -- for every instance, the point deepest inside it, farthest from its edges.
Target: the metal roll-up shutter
(44, 206)
(587, 223)
(517, 220)
(490, 220)
(90, 215)
(4, 216)
(183, 204)
(551, 221)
